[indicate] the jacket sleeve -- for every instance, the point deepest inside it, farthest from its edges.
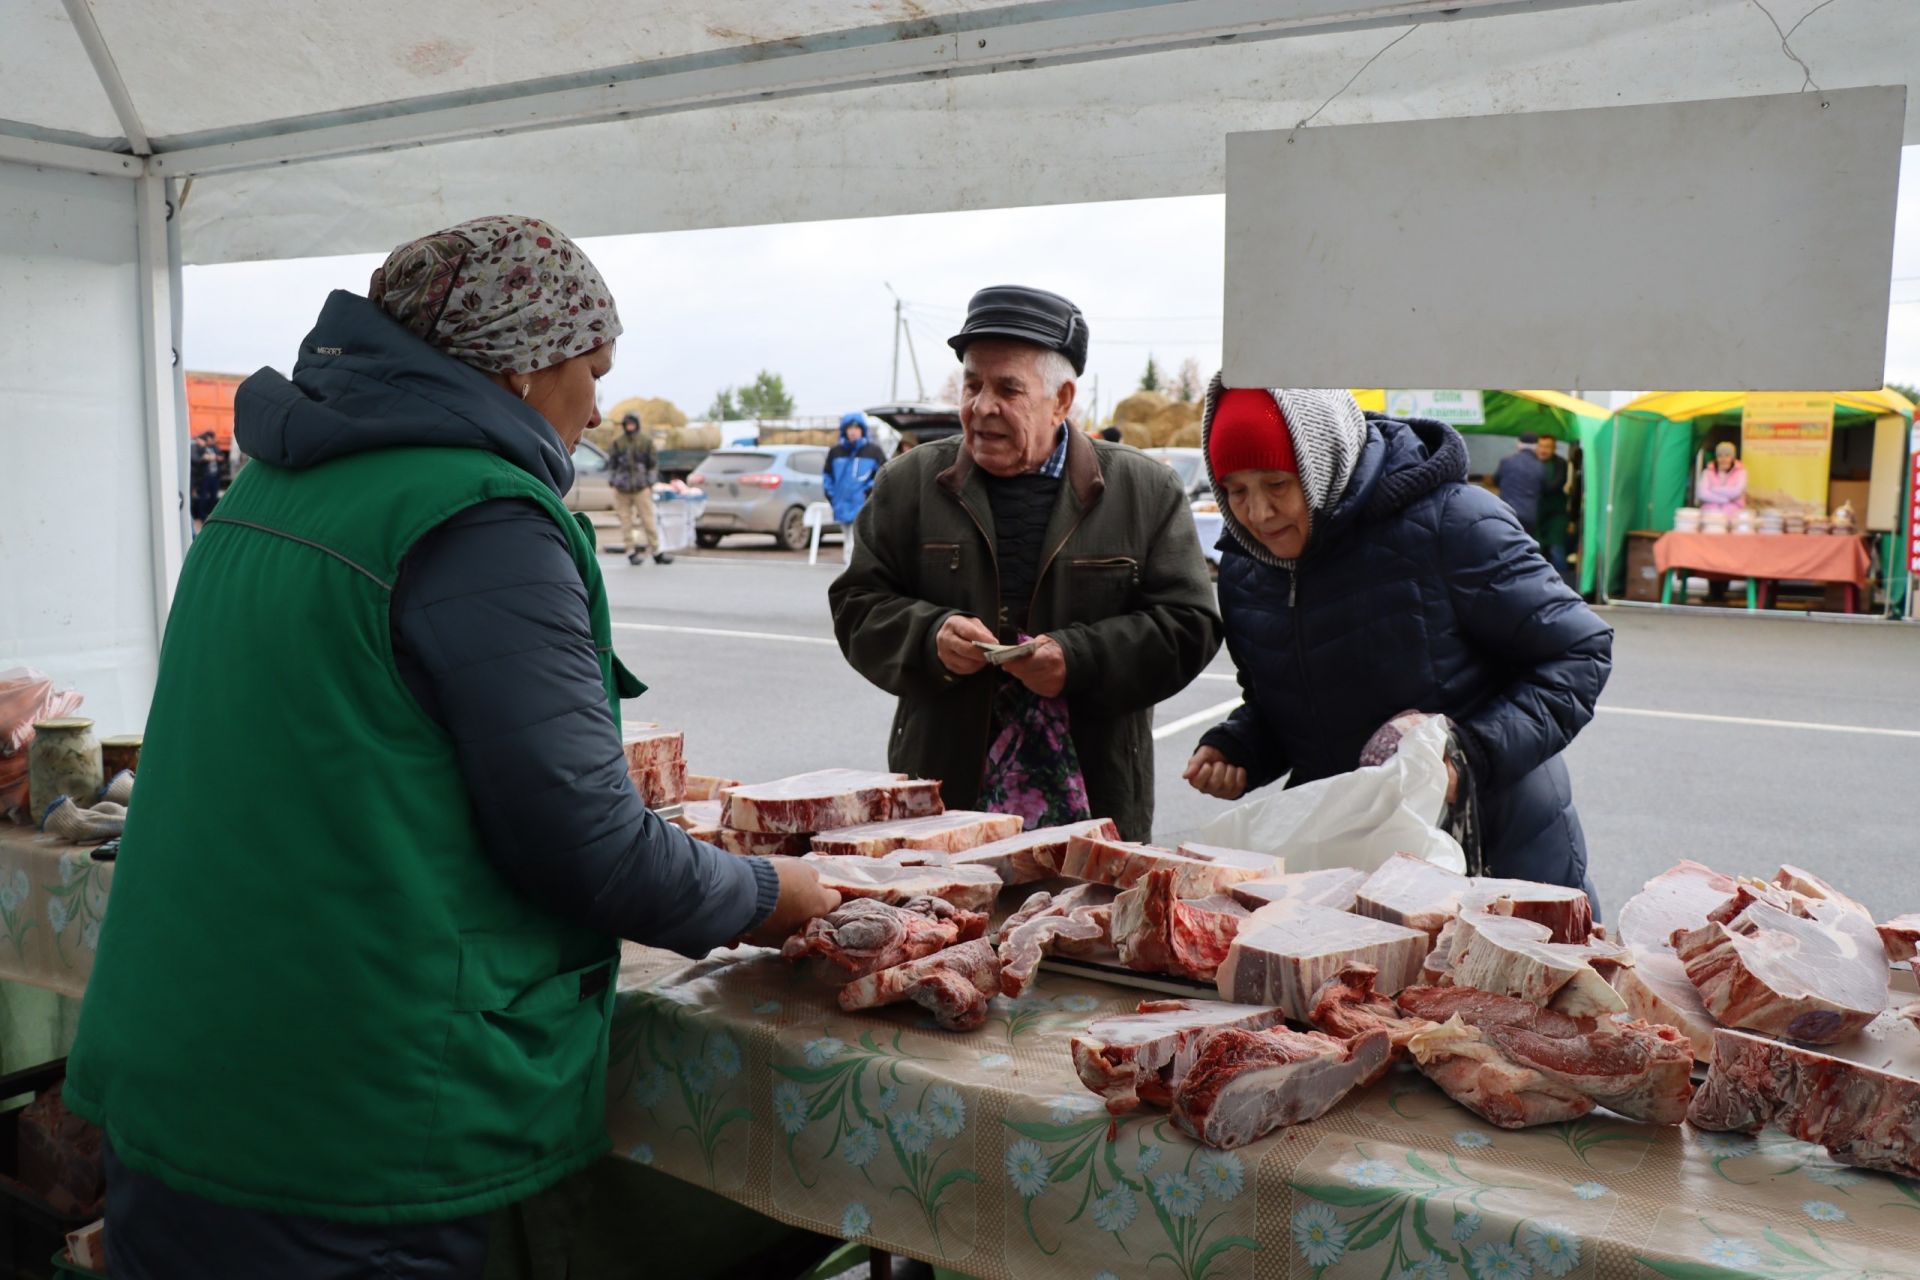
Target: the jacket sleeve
(1246, 740)
(1515, 610)
(886, 632)
(1144, 656)
(490, 630)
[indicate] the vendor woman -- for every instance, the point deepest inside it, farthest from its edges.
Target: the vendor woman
(1363, 577)
(354, 987)
(1723, 485)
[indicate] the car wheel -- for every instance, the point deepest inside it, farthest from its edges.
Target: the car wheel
(706, 541)
(793, 530)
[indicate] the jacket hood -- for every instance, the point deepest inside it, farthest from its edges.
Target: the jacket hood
(363, 383)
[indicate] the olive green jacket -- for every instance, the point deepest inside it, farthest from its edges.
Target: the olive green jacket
(1123, 589)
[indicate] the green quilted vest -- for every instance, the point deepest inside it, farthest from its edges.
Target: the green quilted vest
(313, 993)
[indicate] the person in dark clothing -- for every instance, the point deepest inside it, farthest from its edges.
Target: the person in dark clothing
(335, 1060)
(851, 468)
(206, 478)
(1521, 477)
(1361, 576)
(1551, 526)
(632, 470)
(1024, 531)
(1111, 435)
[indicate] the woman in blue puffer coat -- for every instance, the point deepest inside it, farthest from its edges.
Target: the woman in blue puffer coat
(1362, 577)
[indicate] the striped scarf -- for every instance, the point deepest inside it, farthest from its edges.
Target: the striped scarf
(1328, 432)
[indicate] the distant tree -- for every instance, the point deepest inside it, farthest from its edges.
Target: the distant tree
(950, 389)
(765, 397)
(724, 407)
(1911, 393)
(1189, 384)
(1150, 380)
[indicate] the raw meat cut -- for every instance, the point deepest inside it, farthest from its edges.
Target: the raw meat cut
(1437, 969)
(762, 844)
(1346, 1005)
(704, 786)
(865, 936)
(1413, 892)
(700, 819)
(1144, 1055)
(969, 888)
(1859, 1100)
(1072, 922)
(1510, 956)
(1245, 1084)
(1270, 864)
(1901, 936)
(1809, 885)
(656, 763)
(1656, 988)
(947, 832)
(1818, 977)
(1524, 1065)
(1910, 1012)
(1156, 931)
(953, 985)
(1033, 855)
(1283, 954)
(1100, 860)
(828, 800)
(1330, 887)
(1567, 913)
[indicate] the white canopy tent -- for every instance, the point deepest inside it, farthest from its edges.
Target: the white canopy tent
(282, 131)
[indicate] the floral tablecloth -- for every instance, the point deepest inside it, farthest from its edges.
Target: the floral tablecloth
(52, 898)
(983, 1153)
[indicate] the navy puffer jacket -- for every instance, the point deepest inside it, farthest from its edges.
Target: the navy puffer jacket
(1419, 591)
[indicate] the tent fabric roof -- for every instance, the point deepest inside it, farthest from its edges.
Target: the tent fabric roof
(1570, 410)
(1681, 406)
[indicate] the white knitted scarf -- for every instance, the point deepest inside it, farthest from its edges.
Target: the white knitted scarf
(1328, 432)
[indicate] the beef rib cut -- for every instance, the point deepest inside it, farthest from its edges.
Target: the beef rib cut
(1283, 954)
(762, 844)
(1033, 855)
(1475, 1073)
(953, 985)
(1411, 891)
(1245, 1084)
(1144, 1055)
(1330, 887)
(1072, 922)
(1567, 913)
(864, 936)
(969, 888)
(1656, 987)
(1346, 1005)
(1156, 931)
(700, 819)
(827, 800)
(1817, 977)
(1099, 860)
(1511, 956)
(947, 832)
(1901, 936)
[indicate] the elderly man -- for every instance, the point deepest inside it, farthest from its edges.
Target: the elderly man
(1024, 532)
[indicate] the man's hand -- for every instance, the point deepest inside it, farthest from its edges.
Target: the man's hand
(1044, 670)
(955, 644)
(801, 899)
(1211, 773)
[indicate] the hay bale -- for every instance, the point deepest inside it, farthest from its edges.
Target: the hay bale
(1171, 421)
(1141, 406)
(1187, 437)
(660, 417)
(695, 435)
(1135, 434)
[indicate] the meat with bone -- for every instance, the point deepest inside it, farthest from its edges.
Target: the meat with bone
(1567, 913)
(1033, 855)
(1283, 954)
(700, 819)
(1202, 870)
(1157, 931)
(1656, 987)
(1411, 891)
(864, 936)
(970, 888)
(762, 844)
(1330, 887)
(1817, 977)
(1073, 922)
(1510, 956)
(1245, 1084)
(1859, 1100)
(1478, 1075)
(827, 800)
(1346, 1005)
(1901, 937)
(953, 985)
(1144, 1055)
(948, 832)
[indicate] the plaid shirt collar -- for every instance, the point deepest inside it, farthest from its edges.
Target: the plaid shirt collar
(1056, 465)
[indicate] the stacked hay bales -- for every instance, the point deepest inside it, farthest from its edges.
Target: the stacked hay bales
(657, 416)
(1149, 420)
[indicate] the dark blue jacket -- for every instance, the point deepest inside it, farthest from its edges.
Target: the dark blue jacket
(850, 473)
(1521, 477)
(1419, 591)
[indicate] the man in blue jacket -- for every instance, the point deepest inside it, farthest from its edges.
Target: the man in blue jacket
(852, 467)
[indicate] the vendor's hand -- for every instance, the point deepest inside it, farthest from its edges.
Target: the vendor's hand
(802, 898)
(1211, 773)
(1044, 670)
(956, 647)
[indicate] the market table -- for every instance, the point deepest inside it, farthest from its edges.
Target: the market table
(983, 1153)
(1797, 557)
(52, 898)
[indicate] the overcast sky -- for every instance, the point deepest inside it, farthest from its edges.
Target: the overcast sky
(707, 309)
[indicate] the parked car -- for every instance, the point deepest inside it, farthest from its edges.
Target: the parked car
(764, 489)
(1191, 466)
(590, 491)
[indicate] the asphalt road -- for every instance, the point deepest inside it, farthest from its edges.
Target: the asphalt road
(737, 646)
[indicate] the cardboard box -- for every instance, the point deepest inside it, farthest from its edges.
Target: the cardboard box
(1643, 579)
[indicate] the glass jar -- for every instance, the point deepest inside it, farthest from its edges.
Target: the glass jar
(62, 760)
(120, 753)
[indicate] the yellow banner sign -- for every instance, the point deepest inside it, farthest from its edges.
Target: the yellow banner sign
(1787, 444)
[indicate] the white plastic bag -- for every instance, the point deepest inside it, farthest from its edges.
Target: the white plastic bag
(1357, 819)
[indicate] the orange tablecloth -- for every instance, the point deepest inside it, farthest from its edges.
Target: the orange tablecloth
(1801, 557)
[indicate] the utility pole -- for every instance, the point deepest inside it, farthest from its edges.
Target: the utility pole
(920, 387)
(894, 394)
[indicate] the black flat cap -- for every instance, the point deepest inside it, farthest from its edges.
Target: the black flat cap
(1025, 315)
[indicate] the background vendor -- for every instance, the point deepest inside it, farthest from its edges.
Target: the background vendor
(1722, 485)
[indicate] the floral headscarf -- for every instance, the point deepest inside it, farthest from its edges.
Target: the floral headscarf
(505, 294)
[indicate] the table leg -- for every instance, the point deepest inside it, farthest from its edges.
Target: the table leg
(1753, 594)
(1666, 587)
(880, 1265)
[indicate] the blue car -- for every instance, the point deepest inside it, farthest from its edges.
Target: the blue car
(760, 489)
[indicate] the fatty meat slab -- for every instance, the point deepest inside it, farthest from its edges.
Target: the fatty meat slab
(1860, 1100)
(950, 832)
(1331, 887)
(705, 786)
(1411, 891)
(829, 799)
(1567, 913)
(1033, 855)
(953, 985)
(1817, 978)
(1157, 931)
(1099, 860)
(1245, 1084)
(700, 819)
(1144, 1055)
(761, 844)
(1509, 956)
(969, 888)
(1655, 986)
(1284, 954)
(1474, 1072)
(1076, 921)
(865, 936)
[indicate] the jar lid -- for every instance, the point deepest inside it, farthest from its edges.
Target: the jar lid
(67, 722)
(124, 740)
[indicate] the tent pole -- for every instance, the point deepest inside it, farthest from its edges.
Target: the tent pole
(159, 281)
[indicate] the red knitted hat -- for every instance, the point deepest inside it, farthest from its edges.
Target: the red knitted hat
(1249, 434)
